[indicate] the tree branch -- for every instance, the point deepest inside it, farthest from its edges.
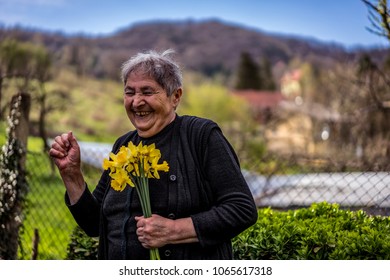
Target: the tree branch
(379, 16)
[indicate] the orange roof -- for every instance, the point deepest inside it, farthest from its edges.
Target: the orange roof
(260, 99)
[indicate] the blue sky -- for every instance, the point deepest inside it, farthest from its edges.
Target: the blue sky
(340, 21)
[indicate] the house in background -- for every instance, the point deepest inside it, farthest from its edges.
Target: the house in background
(289, 125)
(262, 103)
(291, 87)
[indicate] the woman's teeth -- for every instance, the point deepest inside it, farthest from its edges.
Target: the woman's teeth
(142, 114)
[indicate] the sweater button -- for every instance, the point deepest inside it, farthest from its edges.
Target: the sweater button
(172, 178)
(167, 253)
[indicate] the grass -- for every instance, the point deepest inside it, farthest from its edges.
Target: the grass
(46, 212)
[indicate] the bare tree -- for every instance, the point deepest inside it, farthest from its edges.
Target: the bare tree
(379, 16)
(373, 78)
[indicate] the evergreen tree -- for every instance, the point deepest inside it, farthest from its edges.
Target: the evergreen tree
(248, 73)
(365, 65)
(266, 76)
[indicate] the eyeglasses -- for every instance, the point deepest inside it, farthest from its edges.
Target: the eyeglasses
(143, 92)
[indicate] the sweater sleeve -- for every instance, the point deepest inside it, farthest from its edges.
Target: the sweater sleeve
(87, 210)
(233, 208)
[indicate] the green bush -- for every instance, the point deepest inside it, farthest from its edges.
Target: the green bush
(81, 246)
(323, 232)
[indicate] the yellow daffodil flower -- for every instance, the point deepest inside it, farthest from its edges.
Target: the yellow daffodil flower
(133, 166)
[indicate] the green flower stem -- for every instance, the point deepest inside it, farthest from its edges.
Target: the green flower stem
(154, 254)
(142, 187)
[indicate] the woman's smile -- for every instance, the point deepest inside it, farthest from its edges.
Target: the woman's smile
(148, 105)
(143, 119)
(142, 113)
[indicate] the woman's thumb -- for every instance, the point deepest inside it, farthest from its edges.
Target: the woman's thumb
(72, 139)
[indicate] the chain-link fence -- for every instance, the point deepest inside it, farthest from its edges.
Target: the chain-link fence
(299, 181)
(48, 223)
(279, 183)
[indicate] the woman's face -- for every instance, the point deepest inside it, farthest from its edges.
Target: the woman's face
(147, 104)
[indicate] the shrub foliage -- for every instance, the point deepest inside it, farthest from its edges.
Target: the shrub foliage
(81, 246)
(322, 231)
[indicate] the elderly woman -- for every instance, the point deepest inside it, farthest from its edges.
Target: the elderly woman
(198, 206)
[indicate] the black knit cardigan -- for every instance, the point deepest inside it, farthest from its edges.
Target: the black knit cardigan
(205, 184)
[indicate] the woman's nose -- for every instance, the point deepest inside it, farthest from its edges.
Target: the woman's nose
(138, 100)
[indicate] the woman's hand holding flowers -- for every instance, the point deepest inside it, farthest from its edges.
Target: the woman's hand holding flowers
(157, 231)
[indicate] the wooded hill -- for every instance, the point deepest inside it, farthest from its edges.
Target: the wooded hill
(83, 75)
(209, 46)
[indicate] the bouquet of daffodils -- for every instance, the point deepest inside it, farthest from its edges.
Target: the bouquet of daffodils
(133, 166)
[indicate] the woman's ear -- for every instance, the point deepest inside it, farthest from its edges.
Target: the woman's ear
(176, 97)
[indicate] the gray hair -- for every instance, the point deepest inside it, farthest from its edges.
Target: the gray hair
(158, 66)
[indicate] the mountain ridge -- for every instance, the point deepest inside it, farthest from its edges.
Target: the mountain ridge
(209, 46)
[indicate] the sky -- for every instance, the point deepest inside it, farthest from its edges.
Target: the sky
(335, 21)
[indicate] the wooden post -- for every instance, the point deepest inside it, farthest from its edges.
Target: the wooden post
(36, 238)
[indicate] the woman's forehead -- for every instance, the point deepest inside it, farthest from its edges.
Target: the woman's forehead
(140, 76)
